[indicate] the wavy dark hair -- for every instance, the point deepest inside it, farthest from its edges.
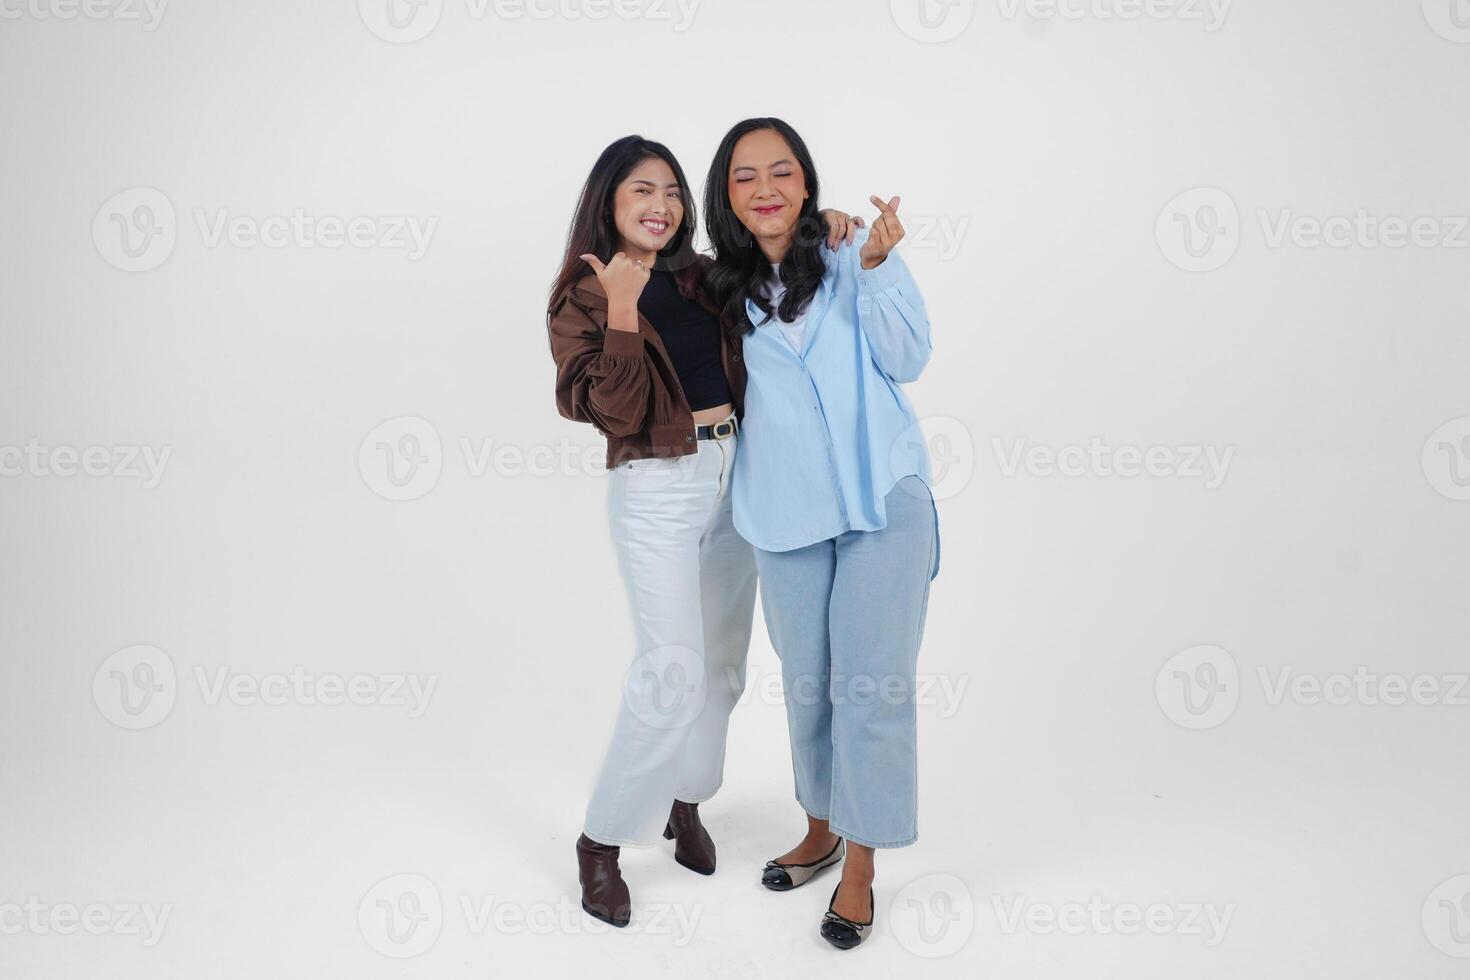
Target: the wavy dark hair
(740, 268)
(594, 232)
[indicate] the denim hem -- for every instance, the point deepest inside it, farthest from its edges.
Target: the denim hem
(682, 798)
(852, 839)
(617, 841)
(814, 816)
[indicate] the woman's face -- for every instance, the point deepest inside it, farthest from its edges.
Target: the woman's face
(648, 207)
(766, 184)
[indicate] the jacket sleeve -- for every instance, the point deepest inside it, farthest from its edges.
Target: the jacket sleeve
(602, 375)
(892, 316)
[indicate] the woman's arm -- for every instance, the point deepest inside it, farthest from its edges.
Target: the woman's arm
(891, 311)
(602, 375)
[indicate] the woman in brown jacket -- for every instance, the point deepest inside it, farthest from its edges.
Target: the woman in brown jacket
(640, 354)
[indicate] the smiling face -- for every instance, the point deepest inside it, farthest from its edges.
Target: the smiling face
(648, 208)
(767, 187)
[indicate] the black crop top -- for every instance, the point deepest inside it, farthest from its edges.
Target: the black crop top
(691, 335)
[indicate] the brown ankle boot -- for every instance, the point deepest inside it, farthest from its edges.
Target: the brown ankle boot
(604, 893)
(692, 845)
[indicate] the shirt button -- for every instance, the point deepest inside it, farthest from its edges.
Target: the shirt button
(688, 438)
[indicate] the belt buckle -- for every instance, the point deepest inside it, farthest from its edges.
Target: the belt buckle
(723, 430)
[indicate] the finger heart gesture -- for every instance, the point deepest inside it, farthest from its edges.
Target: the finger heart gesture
(886, 232)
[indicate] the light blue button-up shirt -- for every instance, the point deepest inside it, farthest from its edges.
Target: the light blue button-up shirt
(827, 429)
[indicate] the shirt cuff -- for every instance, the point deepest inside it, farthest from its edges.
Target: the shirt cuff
(885, 275)
(622, 343)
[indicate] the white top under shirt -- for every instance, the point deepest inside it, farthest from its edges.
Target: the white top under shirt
(795, 331)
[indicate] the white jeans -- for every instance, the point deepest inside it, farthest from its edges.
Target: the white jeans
(691, 584)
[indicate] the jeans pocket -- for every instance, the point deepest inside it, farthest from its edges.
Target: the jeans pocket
(652, 462)
(660, 473)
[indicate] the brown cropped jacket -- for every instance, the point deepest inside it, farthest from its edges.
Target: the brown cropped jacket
(624, 382)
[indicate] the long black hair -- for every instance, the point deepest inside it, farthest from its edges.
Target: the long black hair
(593, 230)
(740, 268)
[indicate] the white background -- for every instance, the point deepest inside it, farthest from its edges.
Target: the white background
(1041, 157)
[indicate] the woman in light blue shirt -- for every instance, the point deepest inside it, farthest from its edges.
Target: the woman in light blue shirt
(831, 487)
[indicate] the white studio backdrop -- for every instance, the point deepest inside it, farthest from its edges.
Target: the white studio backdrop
(310, 632)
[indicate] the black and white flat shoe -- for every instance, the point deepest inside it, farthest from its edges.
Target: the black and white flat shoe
(784, 877)
(842, 932)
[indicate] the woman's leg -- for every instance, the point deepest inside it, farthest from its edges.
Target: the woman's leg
(659, 512)
(880, 596)
(727, 584)
(796, 587)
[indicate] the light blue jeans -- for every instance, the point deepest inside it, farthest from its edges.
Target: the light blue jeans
(846, 617)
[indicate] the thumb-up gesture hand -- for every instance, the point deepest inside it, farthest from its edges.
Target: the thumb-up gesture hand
(622, 278)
